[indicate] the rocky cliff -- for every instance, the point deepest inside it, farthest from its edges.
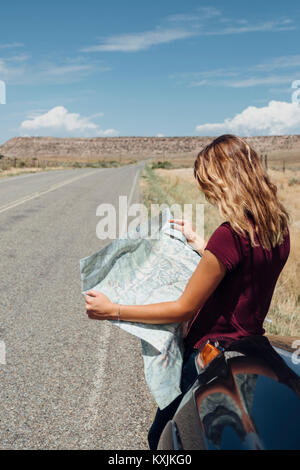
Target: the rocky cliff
(135, 147)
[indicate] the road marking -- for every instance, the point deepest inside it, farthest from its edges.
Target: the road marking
(31, 196)
(124, 222)
(100, 358)
(95, 395)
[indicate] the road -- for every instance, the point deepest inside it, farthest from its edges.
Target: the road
(68, 382)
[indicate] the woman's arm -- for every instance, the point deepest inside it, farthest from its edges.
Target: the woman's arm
(208, 274)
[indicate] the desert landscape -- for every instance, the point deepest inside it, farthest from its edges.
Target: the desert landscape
(104, 108)
(24, 152)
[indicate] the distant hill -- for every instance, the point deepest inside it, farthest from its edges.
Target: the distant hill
(134, 147)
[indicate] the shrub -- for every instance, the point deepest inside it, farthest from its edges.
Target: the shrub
(103, 164)
(166, 165)
(294, 181)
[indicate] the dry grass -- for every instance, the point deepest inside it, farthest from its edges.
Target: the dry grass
(22, 171)
(276, 159)
(178, 186)
(14, 166)
(285, 309)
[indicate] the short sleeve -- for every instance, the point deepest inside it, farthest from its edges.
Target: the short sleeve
(224, 244)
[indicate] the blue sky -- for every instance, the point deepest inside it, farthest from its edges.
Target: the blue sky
(165, 67)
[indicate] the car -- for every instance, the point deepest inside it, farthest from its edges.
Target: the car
(246, 397)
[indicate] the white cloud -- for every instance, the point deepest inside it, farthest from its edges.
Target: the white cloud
(19, 69)
(56, 70)
(198, 83)
(72, 68)
(60, 122)
(203, 21)
(160, 135)
(244, 77)
(265, 27)
(277, 118)
(18, 59)
(199, 14)
(233, 26)
(11, 45)
(277, 63)
(139, 41)
(11, 72)
(256, 81)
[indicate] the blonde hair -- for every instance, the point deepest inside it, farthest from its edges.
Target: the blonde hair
(231, 175)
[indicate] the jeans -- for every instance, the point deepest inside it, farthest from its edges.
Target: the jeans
(188, 376)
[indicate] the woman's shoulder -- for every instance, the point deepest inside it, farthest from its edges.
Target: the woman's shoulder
(224, 243)
(225, 231)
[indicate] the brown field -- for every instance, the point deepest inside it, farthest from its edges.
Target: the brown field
(16, 166)
(177, 185)
(276, 159)
(11, 171)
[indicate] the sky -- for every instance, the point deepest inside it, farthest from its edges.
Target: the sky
(141, 68)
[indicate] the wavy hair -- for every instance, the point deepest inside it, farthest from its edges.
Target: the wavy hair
(231, 175)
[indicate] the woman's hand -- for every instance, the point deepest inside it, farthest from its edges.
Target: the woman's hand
(197, 243)
(99, 307)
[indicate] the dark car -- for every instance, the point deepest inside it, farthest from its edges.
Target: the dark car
(248, 397)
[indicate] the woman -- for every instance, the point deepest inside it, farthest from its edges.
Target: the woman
(229, 293)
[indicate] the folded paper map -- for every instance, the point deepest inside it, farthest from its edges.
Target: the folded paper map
(140, 269)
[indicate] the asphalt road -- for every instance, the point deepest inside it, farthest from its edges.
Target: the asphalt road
(68, 382)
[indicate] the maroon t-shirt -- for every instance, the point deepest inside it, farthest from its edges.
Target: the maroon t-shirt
(241, 301)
